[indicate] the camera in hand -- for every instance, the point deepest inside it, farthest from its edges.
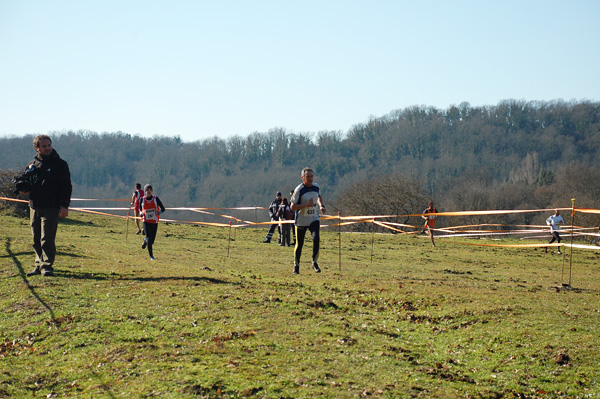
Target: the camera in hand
(25, 182)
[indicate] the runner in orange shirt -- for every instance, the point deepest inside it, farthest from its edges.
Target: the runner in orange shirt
(429, 216)
(150, 208)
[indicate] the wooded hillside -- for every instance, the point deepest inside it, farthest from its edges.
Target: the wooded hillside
(528, 145)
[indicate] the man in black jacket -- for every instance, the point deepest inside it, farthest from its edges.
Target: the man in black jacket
(273, 208)
(49, 199)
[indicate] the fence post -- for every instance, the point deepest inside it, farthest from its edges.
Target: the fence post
(372, 239)
(572, 228)
(340, 239)
(229, 240)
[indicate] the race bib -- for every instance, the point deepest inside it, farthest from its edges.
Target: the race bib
(150, 214)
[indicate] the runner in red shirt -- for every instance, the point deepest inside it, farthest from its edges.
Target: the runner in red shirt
(137, 194)
(429, 216)
(150, 207)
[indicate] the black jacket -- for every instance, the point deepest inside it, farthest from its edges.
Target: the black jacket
(51, 184)
(274, 207)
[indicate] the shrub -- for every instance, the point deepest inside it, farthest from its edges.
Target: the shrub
(7, 189)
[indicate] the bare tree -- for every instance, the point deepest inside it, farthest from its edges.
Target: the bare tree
(387, 195)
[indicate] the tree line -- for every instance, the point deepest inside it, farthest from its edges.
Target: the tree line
(511, 155)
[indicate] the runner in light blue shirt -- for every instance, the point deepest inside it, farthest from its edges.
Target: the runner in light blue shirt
(554, 222)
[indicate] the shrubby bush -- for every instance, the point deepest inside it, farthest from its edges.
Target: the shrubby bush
(7, 189)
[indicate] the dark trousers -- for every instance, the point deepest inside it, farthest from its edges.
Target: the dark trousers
(44, 223)
(314, 229)
(555, 237)
(286, 229)
(150, 229)
(272, 229)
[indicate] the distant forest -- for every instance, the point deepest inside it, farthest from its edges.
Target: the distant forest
(516, 154)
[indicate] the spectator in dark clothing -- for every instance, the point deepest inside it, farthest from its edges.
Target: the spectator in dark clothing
(273, 208)
(49, 200)
(294, 218)
(285, 214)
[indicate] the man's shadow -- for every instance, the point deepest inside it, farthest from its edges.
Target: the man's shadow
(94, 276)
(23, 275)
(117, 276)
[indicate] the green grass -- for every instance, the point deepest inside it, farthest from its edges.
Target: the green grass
(415, 321)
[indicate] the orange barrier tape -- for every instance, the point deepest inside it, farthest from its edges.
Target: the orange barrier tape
(451, 230)
(452, 233)
(101, 213)
(596, 248)
(97, 199)
(94, 211)
(587, 210)
(393, 228)
(490, 212)
(590, 234)
(190, 209)
(243, 208)
(368, 217)
(455, 231)
(500, 225)
(349, 223)
(200, 223)
(457, 213)
(13, 199)
(481, 235)
(101, 209)
(269, 223)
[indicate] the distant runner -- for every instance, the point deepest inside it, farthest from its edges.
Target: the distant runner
(554, 222)
(430, 220)
(151, 208)
(137, 194)
(305, 199)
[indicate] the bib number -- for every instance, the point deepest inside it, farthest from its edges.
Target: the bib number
(150, 214)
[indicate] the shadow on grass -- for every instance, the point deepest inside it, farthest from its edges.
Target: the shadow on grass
(32, 253)
(12, 255)
(107, 276)
(74, 222)
(23, 275)
(69, 255)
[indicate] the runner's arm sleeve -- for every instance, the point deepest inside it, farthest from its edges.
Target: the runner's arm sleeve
(160, 204)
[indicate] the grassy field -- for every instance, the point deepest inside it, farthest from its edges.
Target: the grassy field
(453, 321)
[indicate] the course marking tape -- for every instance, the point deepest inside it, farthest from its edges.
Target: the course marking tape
(456, 231)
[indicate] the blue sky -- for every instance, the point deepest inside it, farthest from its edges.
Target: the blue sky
(199, 69)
